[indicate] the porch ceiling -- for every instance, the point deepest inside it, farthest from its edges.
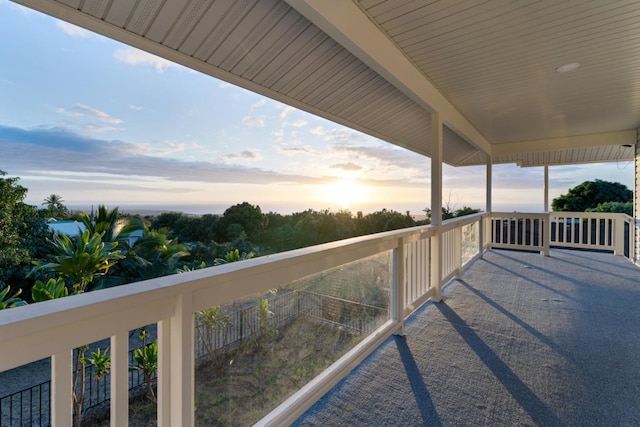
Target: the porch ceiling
(382, 66)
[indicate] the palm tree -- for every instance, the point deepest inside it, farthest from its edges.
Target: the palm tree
(55, 207)
(53, 201)
(105, 221)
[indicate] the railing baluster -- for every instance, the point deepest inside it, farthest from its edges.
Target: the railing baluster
(61, 405)
(164, 373)
(120, 380)
(182, 369)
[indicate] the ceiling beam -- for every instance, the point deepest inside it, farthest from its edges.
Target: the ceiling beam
(623, 137)
(346, 23)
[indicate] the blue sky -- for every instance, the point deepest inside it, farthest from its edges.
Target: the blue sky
(96, 121)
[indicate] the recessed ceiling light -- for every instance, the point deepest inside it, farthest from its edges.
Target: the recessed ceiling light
(568, 67)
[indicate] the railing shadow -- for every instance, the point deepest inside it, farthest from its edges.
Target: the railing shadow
(608, 267)
(418, 387)
(539, 412)
(529, 279)
(524, 325)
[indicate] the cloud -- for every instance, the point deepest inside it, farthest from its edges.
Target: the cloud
(163, 148)
(135, 107)
(80, 110)
(291, 151)
(258, 104)
(346, 166)
(286, 111)
(133, 56)
(253, 121)
(386, 155)
(297, 124)
(42, 150)
(72, 30)
(98, 128)
(246, 155)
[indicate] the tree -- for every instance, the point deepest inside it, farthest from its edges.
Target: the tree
(105, 222)
(614, 207)
(249, 217)
(82, 261)
(55, 207)
(23, 234)
(590, 194)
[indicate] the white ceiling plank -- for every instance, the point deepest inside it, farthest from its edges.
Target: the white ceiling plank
(345, 23)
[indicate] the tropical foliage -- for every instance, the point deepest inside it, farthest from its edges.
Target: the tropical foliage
(54, 207)
(10, 301)
(23, 233)
(83, 260)
(596, 195)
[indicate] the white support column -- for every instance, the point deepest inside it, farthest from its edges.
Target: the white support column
(489, 208)
(182, 363)
(398, 290)
(61, 401)
(436, 203)
(485, 226)
(164, 373)
(546, 188)
(120, 380)
(636, 203)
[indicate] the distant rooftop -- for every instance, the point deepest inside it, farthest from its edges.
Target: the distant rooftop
(69, 227)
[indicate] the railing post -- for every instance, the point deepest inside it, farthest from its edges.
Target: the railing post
(398, 286)
(120, 380)
(546, 234)
(618, 237)
(182, 364)
(481, 235)
(164, 373)
(457, 245)
(436, 265)
(61, 403)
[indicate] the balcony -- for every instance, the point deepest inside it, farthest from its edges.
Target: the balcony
(520, 339)
(518, 336)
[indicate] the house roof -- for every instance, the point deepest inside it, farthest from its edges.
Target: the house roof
(489, 68)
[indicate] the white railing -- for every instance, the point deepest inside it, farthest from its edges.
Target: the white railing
(424, 258)
(578, 230)
(55, 328)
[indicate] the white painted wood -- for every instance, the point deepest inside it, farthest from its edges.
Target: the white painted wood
(398, 286)
(120, 380)
(489, 184)
(546, 188)
(61, 400)
(164, 373)
(465, 60)
(344, 22)
(182, 363)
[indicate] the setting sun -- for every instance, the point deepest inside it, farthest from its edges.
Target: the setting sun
(345, 193)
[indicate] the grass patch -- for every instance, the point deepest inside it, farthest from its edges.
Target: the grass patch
(257, 377)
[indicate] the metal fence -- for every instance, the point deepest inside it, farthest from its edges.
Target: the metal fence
(31, 406)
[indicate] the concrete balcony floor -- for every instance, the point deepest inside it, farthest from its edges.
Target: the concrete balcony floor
(520, 339)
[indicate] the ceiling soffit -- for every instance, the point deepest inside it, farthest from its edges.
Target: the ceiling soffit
(488, 68)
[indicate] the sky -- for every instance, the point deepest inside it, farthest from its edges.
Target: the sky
(98, 122)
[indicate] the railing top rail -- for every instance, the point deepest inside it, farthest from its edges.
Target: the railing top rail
(463, 220)
(87, 317)
(563, 214)
(538, 215)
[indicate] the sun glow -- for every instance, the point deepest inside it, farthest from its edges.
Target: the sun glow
(345, 193)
